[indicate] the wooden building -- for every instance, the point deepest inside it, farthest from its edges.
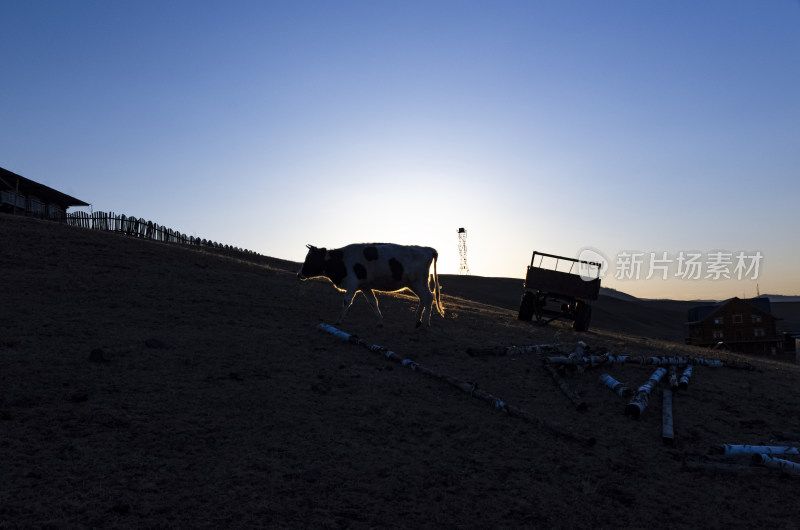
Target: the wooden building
(741, 325)
(19, 195)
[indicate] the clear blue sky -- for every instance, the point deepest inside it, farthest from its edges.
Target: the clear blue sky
(639, 126)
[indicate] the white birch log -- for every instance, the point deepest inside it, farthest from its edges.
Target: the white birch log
(785, 466)
(538, 349)
(665, 361)
(591, 361)
(673, 377)
(667, 429)
(639, 402)
(683, 383)
(566, 389)
(735, 449)
(621, 389)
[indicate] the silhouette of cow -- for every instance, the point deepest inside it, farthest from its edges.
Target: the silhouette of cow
(369, 267)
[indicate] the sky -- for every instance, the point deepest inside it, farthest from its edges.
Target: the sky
(633, 131)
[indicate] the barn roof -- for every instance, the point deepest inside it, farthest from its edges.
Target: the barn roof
(9, 180)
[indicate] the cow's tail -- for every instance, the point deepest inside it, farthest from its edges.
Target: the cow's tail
(437, 289)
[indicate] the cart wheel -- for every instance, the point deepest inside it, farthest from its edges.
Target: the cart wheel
(526, 306)
(538, 305)
(583, 316)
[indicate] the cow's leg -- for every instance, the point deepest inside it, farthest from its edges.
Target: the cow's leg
(423, 292)
(369, 294)
(346, 303)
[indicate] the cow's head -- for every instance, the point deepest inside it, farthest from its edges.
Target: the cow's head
(314, 265)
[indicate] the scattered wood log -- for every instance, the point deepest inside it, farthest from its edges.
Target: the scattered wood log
(500, 351)
(699, 361)
(566, 389)
(591, 361)
(665, 361)
(683, 383)
(673, 377)
(636, 406)
(785, 466)
(465, 386)
(667, 430)
(621, 389)
(737, 449)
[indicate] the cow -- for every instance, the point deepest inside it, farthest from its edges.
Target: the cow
(370, 267)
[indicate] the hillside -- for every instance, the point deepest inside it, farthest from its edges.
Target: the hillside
(654, 319)
(146, 385)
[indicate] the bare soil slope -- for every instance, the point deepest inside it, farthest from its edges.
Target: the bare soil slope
(146, 385)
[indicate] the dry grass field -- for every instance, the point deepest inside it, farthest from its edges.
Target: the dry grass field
(144, 385)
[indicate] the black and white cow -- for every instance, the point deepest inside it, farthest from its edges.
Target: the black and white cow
(369, 267)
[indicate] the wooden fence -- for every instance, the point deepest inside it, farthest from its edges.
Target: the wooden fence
(137, 227)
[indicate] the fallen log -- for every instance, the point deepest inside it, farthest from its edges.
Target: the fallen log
(620, 389)
(667, 430)
(639, 402)
(699, 361)
(467, 387)
(513, 350)
(584, 362)
(736, 449)
(567, 390)
(785, 466)
(683, 383)
(673, 377)
(665, 361)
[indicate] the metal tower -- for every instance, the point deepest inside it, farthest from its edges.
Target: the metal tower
(462, 251)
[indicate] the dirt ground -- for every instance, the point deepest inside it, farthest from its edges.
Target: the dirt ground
(145, 385)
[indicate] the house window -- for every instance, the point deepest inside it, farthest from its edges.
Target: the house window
(755, 319)
(717, 334)
(737, 319)
(719, 320)
(758, 332)
(35, 206)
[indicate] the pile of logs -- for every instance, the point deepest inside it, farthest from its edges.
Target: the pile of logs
(774, 454)
(677, 371)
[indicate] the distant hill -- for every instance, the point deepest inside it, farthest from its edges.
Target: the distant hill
(613, 293)
(614, 310)
(781, 298)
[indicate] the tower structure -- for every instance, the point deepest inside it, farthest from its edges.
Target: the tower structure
(462, 251)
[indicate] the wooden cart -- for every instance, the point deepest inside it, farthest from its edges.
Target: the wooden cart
(571, 290)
